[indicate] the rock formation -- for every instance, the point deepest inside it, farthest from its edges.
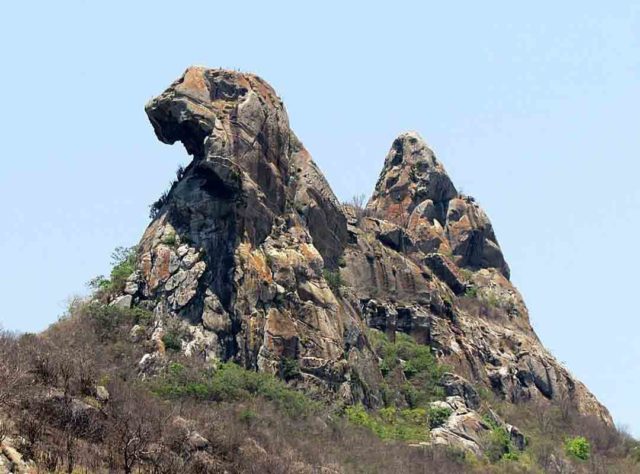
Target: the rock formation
(253, 257)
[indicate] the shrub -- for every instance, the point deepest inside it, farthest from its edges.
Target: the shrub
(333, 279)
(171, 341)
(578, 447)
(511, 456)
(420, 367)
(170, 239)
(492, 300)
(289, 368)
(247, 416)
(109, 322)
(358, 203)
(230, 382)
(123, 260)
(391, 423)
(438, 415)
(471, 292)
(499, 444)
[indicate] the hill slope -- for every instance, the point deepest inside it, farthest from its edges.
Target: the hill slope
(397, 315)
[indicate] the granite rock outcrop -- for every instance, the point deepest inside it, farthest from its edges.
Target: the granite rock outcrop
(253, 258)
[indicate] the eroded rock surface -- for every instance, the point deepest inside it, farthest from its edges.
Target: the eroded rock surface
(253, 258)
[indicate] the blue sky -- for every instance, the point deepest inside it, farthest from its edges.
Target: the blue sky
(534, 110)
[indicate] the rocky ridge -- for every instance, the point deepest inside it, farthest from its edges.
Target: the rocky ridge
(250, 257)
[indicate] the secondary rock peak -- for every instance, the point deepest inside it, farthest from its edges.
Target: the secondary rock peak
(415, 192)
(411, 175)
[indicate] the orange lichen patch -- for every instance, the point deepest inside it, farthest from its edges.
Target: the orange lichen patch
(254, 261)
(145, 265)
(309, 252)
(263, 89)
(194, 84)
(160, 348)
(258, 263)
(445, 248)
(152, 234)
(160, 270)
(394, 212)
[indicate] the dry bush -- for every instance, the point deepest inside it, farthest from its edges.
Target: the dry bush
(548, 424)
(134, 422)
(134, 431)
(358, 203)
(255, 437)
(13, 373)
(479, 308)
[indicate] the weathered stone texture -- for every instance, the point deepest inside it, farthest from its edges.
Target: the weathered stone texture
(253, 255)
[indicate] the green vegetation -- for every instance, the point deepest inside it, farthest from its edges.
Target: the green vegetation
(466, 273)
(123, 260)
(471, 292)
(289, 368)
(247, 416)
(498, 444)
(391, 423)
(171, 341)
(333, 279)
(108, 320)
(578, 447)
(437, 416)
(230, 382)
(422, 373)
(419, 365)
(492, 301)
(171, 240)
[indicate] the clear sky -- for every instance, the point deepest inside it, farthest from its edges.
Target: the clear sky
(533, 108)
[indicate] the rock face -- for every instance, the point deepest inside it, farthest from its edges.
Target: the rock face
(253, 259)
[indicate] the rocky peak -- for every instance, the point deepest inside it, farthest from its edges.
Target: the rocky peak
(415, 192)
(411, 175)
(253, 258)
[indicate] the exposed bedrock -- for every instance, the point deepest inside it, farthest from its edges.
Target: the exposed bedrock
(251, 256)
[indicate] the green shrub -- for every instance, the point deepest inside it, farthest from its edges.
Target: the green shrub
(420, 367)
(123, 260)
(333, 279)
(172, 341)
(438, 415)
(171, 240)
(176, 369)
(578, 447)
(492, 301)
(289, 368)
(499, 444)
(511, 456)
(471, 292)
(230, 382)
(247, 416)
(391, 423)
(466, 273)
(109, 321)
